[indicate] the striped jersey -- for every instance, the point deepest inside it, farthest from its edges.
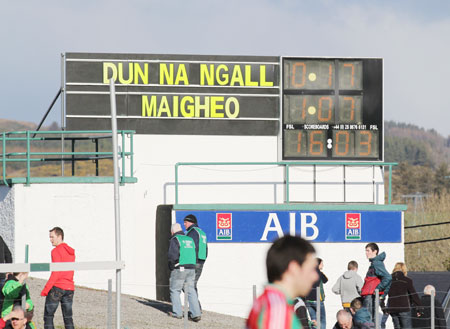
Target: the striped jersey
(273, 310)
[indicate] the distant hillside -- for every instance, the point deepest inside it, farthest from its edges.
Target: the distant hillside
(415, 145)
(12, 125)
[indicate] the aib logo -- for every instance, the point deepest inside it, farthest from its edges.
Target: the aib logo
(353, 226)
(224, 228)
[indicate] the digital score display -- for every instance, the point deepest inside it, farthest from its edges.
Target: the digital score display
(332, 109)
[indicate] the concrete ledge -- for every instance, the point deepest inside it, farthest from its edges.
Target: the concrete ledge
(294, 206)
(66, 179)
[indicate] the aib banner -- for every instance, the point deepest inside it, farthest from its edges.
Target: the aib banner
(316, 226)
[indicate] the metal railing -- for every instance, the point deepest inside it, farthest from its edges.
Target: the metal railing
(28, 157)
(288, 165)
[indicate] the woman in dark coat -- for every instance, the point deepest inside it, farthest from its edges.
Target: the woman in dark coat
(401, 297)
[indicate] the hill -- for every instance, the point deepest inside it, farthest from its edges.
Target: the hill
(415, 145)
(13, 125)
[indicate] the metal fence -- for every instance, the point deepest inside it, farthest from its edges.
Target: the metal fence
(288, 165)
(29, 140)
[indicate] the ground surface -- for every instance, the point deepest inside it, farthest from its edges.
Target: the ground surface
(90, 310)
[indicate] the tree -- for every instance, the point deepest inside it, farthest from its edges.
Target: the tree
(442, 179)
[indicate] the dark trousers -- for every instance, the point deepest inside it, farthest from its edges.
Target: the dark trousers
(402, 320)
(198, 272)
(54, 297)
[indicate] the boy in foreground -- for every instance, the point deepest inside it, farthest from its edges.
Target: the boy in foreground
(291, 272)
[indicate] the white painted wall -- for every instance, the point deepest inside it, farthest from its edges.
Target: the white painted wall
(86, 213)
(232, 269)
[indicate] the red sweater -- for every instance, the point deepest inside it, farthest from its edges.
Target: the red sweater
(62, 280)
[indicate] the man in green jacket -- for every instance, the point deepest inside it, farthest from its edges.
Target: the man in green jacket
(201, 244)
(182, 259)
(13, 290)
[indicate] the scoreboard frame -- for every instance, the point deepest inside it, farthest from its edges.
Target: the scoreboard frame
(319, 108)
(372, 119)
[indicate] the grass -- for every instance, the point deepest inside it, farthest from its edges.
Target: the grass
(428, 256)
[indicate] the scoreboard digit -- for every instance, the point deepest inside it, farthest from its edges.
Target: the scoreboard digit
(332, 109)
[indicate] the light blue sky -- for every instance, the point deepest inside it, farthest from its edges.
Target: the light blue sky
(413, 37)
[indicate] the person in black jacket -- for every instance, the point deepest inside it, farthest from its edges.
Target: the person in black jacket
(201, 244)
(401, 295)
(311, 299)
(344, 320)
(424, 322)
(5, 257)
(301, 312)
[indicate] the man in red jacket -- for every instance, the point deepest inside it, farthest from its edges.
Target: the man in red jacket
(60, 286)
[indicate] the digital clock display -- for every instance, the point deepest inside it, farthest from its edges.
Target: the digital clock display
(332, 109)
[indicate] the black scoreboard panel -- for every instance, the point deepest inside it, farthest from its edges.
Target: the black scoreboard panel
(332, 109)
(174, 94)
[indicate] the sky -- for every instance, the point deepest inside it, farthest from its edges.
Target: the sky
(413, 38)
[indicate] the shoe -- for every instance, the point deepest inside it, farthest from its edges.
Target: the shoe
(173, 315)
(196, 319)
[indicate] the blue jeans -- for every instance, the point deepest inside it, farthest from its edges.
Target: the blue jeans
(402, 320)
(369, 304)
(54, 297)
(177, 280)
(384, 320)
(312, 310)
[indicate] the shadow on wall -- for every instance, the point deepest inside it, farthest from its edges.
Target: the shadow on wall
(162, 232)
(7, 220)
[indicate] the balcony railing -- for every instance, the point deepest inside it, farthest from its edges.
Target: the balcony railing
(33, 147)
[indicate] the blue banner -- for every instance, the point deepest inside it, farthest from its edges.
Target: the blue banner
(316, 226)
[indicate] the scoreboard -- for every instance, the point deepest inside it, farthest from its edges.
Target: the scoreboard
(332, 109)
(320, 108)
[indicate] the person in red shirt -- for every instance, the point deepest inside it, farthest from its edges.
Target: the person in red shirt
(291, 271)
(60, 287)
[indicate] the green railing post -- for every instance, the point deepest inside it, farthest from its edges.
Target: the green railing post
(390, 185)
(176, 183)
(287, 182)
(28, 159)
(4, 158)
(132, 155)
(26, 253)
(122, 154)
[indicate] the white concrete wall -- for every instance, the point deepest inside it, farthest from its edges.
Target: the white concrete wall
(86, 213)
(232, 269)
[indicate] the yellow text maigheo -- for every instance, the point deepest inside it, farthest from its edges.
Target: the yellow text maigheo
(190, 106)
